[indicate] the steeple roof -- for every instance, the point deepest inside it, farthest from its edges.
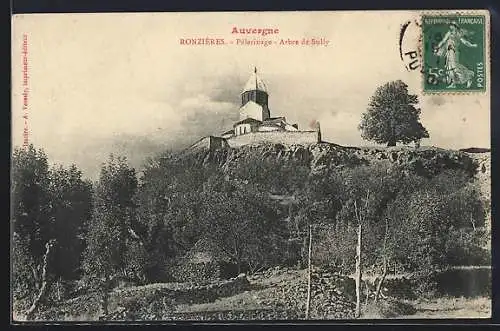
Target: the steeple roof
(255, 83)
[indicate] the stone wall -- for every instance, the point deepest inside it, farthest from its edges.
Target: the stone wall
(201, 272)
(179, 293)
(148, 302)
(331, 294)
(195, 272)
(225, 315)
(210, 142)
(287, 137)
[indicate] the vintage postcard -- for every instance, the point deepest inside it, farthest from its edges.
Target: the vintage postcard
(218, 166)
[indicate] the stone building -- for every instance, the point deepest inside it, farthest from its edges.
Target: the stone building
(256, 125)
(255, 115)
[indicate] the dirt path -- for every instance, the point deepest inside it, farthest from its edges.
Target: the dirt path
(452, 308)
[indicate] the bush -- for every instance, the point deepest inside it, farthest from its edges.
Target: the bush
(23, 283)
(431, 222)
(465, 247)
(387, 309)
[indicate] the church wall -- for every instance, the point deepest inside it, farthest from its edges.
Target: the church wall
(264, 128)
(210, 142)
(217, 142)
(243, 128)
(294, 137)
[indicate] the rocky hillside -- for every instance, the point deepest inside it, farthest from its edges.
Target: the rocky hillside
(322, 156)
(482, 177)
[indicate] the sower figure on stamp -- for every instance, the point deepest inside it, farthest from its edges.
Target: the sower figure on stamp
(456, 73)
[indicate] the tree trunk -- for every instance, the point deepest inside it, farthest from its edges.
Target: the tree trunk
(238, 262)
(358, 272)
(384, 273)
(35, 277)
(237, 254)
(472, 221)
(308, 302)
(391, 143)
(379, 285)
(238, 266)
(59, 289)
(367, 287)
(105, 294)
(45, 283)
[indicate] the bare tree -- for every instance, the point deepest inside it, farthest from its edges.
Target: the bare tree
(360, 218)
(384, 257)
(308, 303)
(45, 281)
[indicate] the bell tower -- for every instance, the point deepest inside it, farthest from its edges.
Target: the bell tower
(256, 91)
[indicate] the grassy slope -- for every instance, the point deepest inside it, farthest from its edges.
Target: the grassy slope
(263, 294)
(273, 290)
(438, 308)
(450, 307)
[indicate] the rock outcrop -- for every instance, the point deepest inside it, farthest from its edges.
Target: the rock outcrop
(426, 161)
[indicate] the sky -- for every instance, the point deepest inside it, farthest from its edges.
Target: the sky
(122, 83)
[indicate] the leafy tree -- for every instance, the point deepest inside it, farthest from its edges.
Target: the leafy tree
(321, 199)
(243, 224)
(71, 206)
(392, 116)
(23, 280)
(113, 248)
(360, 184)
(422, 216)
(169, 208)
(182, 201)
(31, 200)
(50, 208)
(30, 219)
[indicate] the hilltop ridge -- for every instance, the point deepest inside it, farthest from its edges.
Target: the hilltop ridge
(322, 156)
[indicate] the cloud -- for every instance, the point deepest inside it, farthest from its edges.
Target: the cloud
(89, 157)
(121, 83)
(212, 108)
(210, 112)
(227, 88)
(203, 116)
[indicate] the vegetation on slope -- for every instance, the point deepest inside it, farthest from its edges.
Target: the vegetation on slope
(254, 204)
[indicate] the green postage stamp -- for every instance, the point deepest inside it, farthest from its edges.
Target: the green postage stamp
(454, 53)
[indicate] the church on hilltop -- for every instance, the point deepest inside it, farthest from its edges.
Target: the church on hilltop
(256, 125)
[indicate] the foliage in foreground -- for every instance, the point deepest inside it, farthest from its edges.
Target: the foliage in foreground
(124, 226)
(49, 204)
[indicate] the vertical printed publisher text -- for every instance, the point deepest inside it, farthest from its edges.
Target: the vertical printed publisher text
(25, 88)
